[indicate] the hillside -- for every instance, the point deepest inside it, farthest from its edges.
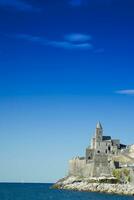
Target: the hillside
(131, 151)
(126, 156)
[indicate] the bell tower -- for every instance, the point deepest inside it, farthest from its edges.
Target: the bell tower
(98, 132)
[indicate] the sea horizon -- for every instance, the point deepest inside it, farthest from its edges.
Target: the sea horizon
(66, 99)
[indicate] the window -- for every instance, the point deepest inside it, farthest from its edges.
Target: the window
(98, 151)
(109, 148)
(106, 151)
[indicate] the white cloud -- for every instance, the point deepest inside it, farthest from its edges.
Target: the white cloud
(126, 92)
(77, 37)
(60, 44)
(68, 45)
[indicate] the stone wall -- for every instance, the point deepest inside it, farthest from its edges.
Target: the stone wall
(89, 154)
(79, 167)
(76, 166)
(132, 175)
(101, 166)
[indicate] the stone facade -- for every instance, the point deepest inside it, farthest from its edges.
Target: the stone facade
(98, 157)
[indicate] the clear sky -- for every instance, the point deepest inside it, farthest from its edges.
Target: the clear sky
(64, 65)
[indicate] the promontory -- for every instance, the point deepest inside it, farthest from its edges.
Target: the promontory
(108, 166)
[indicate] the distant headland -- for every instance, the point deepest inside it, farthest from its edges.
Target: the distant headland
(108, 166)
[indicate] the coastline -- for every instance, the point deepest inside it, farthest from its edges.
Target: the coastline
(79, 184)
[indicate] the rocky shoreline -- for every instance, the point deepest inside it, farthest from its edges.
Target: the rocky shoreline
(80, 184)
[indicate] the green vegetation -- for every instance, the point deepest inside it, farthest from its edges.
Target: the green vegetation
(122, 175)
(105, 180)
(110, 181)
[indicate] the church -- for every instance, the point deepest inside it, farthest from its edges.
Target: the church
(98, 160)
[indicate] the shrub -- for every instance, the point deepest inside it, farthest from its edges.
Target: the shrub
(122, 175)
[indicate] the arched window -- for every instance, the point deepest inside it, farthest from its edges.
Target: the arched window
(109, 148)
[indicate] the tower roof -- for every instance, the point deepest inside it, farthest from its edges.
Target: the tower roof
(99, 125)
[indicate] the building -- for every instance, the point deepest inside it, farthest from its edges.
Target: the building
(98, 160)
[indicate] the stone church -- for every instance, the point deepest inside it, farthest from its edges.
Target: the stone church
(98, 160)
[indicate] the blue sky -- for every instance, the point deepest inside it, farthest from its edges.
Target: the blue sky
(64, 65)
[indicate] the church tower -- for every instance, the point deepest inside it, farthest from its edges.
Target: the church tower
(98, 132)
(98, 135)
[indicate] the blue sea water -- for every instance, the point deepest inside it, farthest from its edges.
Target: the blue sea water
(15, 191)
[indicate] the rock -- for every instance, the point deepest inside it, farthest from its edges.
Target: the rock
(75, 183)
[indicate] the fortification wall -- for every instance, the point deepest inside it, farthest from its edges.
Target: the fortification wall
(101, 166)
(78, 167)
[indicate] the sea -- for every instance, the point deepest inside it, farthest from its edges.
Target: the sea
(33, 191)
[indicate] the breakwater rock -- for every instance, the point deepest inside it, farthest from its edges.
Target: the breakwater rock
(91, 185)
